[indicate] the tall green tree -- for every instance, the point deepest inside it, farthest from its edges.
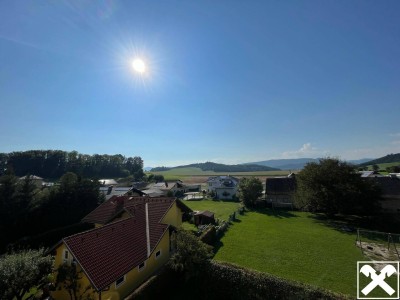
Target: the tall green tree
(21, 271)
(250, 189)
(190, 253)
(333, 186)
(8, 186)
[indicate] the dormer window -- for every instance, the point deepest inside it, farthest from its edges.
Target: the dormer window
(66, 257)
(141, 266)
(119, 281)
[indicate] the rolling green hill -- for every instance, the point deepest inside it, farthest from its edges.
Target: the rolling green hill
(214, 167)
(390, 158)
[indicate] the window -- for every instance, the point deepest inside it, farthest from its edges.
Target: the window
(158, 253)
(66, 257)
(141, 266)
(120, 281)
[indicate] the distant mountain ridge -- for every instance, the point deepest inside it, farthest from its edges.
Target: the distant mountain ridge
(390, 158)
(297, 163)
(210, 166)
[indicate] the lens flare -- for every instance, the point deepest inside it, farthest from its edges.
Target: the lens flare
(139, 65)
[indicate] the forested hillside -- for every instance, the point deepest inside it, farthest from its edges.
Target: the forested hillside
(54, 163)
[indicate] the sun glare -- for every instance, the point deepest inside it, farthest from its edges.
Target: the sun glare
(139, 65)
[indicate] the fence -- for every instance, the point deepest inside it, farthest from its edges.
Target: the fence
(379, 245)
(223, 225)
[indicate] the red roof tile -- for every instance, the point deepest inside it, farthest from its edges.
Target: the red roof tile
(116, 205)
(109, 252)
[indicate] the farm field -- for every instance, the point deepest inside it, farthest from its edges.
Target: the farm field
(293, 245)
(385, 165)
(198, 176)
(200, 172)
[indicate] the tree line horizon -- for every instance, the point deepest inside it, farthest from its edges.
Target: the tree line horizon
(52, 164)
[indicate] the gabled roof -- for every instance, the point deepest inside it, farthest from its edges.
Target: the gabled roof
(280, 185)
(107, 253)
(111, 208)
(108, 182)
(369, 174)
(226, 180)
(32, 177)
(111, 191)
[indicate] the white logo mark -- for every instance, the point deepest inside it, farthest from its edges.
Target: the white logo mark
(387, 271)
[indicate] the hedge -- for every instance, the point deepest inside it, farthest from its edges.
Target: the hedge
(220, 280)
(235, 282)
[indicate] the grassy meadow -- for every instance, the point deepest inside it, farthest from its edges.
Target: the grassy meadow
(200, 172)
(221, 209)
(293, 245)
(384, 165)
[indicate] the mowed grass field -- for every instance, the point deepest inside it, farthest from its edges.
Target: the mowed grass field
(221, 209)
(293, 245)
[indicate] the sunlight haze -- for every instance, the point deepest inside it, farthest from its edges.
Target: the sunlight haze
(179, 82)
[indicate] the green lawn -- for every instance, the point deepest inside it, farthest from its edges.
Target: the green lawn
(221, 209)
(293, 245)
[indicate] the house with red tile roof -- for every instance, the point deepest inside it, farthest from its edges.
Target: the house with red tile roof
(133, 238)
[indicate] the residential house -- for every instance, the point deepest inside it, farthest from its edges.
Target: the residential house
(36, 180)
(180, 188)
(111, 191)
(280, 191)
(390, 187)
(223, 187)
(133, 238)
(159, 189)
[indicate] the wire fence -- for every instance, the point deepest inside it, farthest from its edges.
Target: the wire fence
(377, 245)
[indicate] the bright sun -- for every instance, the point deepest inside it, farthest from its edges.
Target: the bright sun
(138, 65)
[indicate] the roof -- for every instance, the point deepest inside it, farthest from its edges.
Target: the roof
(108, 182)
(225, 180)
(390, 185)
(206, 213)
(369, 174)
(107, 253)
(280, 185)
(114, 206)
(111, 191)
(32, 177)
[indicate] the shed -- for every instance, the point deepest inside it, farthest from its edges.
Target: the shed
(204, 217)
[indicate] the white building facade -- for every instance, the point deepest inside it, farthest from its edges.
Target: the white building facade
(223, 187)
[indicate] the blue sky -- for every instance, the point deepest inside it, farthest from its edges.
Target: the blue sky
(225, 81)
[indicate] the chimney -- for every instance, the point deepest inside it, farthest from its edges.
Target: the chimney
(147, 229)
(109, 190)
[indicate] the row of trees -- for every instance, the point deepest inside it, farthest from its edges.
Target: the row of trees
(26, 210)
(54, 163)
